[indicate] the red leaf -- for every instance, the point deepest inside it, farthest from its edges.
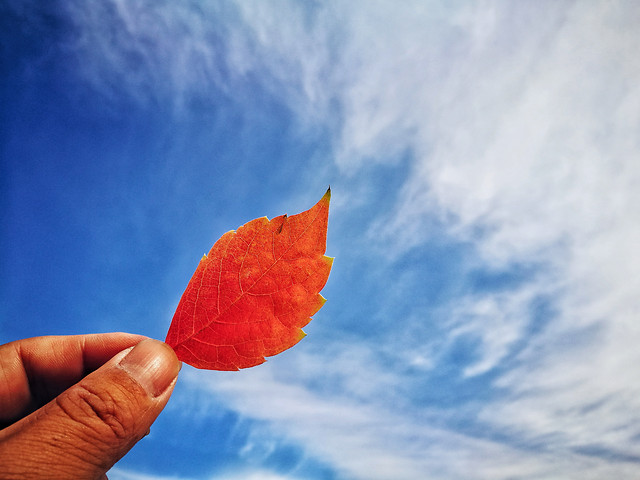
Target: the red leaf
(251, 295)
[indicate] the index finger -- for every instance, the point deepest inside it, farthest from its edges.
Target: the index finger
(35, 370)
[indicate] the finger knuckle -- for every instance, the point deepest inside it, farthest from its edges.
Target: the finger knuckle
(104, 413)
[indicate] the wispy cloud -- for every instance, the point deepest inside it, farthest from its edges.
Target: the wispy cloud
(522, 133)
(117, 473)
(368, 438)
(517, 127)
(244, 474)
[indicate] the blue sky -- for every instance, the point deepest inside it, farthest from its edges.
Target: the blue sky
(482, 313)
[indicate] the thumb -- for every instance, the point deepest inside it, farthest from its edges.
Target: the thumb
(89, 427)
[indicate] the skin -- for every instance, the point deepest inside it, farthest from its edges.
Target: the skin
(72, 406)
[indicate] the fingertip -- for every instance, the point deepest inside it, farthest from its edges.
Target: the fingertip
(153, 364)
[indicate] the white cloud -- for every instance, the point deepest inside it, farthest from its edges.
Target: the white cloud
(497, 320)
(246, 474)
(255, 475)
(374, 440)
(118, 473)
(521, 122)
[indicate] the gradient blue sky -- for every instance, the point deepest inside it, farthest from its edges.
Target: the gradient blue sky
(483, 310)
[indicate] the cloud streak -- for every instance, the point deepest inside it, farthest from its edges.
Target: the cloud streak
(516, 127)
(373, 439)
(521, 131)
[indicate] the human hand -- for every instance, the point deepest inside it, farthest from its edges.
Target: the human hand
(72, 406)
